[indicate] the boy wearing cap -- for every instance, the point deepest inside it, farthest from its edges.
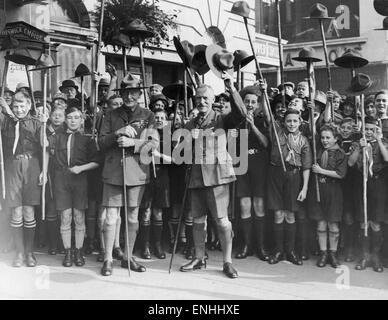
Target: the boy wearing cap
(59, 101)
(251, 186)
(377, 157)
(22, 147)
(125, 127)
(73, 153)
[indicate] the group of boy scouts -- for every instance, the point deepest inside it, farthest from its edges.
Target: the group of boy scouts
(273, 204)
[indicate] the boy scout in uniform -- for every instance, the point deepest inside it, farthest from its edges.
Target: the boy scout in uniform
(123, 128)
(22, 147)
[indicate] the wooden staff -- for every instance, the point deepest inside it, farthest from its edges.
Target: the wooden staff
(32, 91)
(259, 75)
(82, 96)
(95, 82)
(364, 169)
(280, 47)
(238, 77)
(310, 70)
(329, 82)
(185, 94)
(4, 83)
(44, 160)
(129, 254)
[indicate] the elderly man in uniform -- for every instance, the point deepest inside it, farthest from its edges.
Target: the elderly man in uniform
(124, 127)
(209, 182)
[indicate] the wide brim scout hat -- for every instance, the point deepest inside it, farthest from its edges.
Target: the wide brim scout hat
(381, 7)
(185, 50)
(351, 59)
(242, 9)
(219, 60)
(198, 62)
(81, 71)
(176, 91)
(307, 54)
(68, 84)
(320, 12)
(130, 83)
(360, 84)
(242, 58)
(21, 56)
(137, 28)
(385, 25)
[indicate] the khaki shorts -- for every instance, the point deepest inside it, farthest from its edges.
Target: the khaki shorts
(210, 199)
(112, 196)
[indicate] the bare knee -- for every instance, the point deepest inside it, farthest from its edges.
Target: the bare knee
(290, 217)
(322, 226)
(245, 205)
(157, 214)
(133, 213)
(333, 227)
(258, 205)
(279, 216)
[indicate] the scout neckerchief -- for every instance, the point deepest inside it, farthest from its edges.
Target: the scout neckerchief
(294, 145)
(17, 132)
(325, 155)
(70, 145)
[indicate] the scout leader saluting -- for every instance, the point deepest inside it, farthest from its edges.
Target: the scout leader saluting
(22, 145)
(124, 128)
(287, 188)
(331, 168)
(73, 153)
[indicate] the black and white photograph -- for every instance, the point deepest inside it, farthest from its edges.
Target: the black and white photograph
(194, 154)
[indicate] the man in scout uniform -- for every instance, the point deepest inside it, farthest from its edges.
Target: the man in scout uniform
(125, 127)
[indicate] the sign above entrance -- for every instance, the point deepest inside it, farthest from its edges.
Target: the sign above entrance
(24, 31)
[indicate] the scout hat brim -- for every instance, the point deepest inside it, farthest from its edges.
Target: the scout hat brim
(210, 52)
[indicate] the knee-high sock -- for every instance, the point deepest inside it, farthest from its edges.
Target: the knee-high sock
(189, 234)
(52, 232)
(333, 240)
(278, 230)
(144, 235)
(348, 237)
(322, 240)
(376, 241)
(199, 239)
(225, 234)
(132, 233)
(290, 231)
(66, 236)
(117, 234)
(174, 228)
(29, 235)
(18, 238)
(301, 235)
(109, 232)
(157, 228)
(79, 234)
(258, 224)
(365, 243)
(246, 228)
(90, 228)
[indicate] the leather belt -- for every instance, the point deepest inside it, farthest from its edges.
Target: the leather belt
(253, 151)
(327, 180)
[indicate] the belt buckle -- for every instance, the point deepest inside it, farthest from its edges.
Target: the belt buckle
(252, 151)
(322, 180)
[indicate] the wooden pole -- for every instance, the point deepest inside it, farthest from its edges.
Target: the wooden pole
(280, 47)
(310, 68)
(44, 160)
(129, 254)
(3, 84)
(31, 89)
(185, 93)
(329, 82)
(259, 75)
(143, 72)
(238, 77)
(364, 169)
(82, 96)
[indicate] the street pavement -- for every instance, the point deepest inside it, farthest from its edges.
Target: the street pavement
(257, 280)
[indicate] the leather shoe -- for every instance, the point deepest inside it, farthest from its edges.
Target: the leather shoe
(214, 245)
(118, 254)
(262, 254)
(322, 261)
(333, 259)
(30, 260)
(89, 248)
(79, 260)
(100, 256)
(362, 264)
(133, 265)
(146, 254)
(278, 256)
(18, 260)
(229, 271)
(293, 258)
(52, 252)
(194, 265)
(376, 263)
(107, 268)
(243, 253)
(159, 253)
(67, 261)
(349, 256)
